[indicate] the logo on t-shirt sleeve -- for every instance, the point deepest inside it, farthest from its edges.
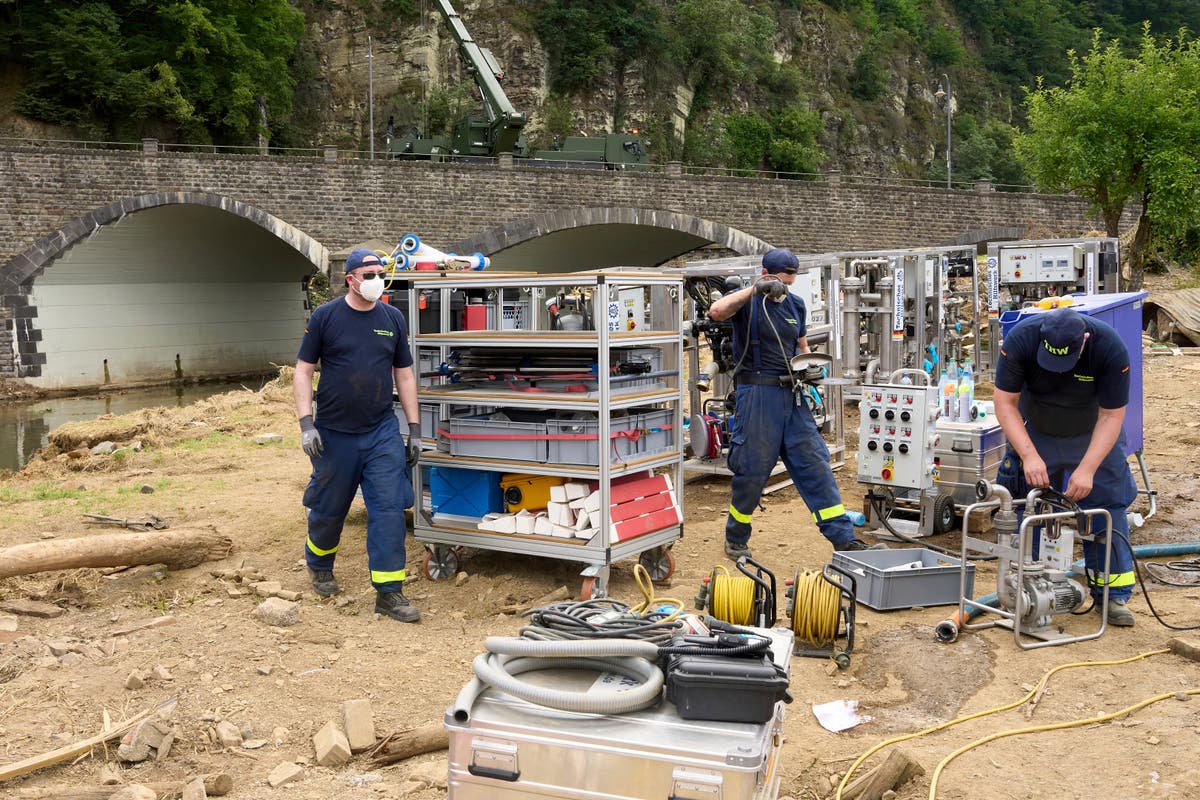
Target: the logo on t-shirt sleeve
(382, 332)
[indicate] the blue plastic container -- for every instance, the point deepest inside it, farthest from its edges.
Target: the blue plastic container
(465, 492)
(1122, 311)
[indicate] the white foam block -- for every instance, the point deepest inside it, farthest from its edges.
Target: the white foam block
(542, 525)
(558, 494)
(524, 521)
(576, 490)
(561, 514)
(592, 502)
(586, 533)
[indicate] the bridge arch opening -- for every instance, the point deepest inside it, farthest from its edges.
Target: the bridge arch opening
(157, 288)
(594, 238)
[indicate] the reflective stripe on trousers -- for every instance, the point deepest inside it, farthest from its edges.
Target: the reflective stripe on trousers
(768, 426)
(374, 461)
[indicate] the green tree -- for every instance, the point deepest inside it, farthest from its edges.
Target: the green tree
(720, 44)
(207, 70)
(1124, 129)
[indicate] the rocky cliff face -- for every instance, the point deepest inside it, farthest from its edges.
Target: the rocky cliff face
(894, 136)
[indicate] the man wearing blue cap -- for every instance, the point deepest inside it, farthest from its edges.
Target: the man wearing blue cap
(771, 420)
(355, 441)
(1062, 384)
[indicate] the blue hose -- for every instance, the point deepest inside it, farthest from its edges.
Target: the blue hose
(947, 630)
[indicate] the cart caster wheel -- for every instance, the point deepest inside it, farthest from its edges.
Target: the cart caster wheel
(440, 562)
(842, 659)
(944, 518)
(587, 589)
(659, 563)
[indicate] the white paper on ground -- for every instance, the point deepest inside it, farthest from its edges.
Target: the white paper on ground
(839, 715)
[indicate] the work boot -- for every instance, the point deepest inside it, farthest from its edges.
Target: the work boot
(1119, 615)
(323, 582)
(859, 544)
(396, 605)
(737, 550)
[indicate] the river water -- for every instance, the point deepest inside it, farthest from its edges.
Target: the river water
(25, 425)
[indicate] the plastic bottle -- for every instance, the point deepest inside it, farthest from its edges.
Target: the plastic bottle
(966, 392)
(945, 394)
(857, 518)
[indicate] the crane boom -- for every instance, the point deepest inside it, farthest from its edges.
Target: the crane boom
(504, 123)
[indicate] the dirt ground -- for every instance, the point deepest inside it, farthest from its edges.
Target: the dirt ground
(61, 677)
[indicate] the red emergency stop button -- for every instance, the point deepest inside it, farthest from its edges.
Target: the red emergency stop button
(886, 473)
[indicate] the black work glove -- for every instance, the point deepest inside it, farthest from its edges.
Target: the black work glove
(771, 287)
(414, 443)
(310, 439)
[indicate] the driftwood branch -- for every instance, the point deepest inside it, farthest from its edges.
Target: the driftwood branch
(406, 744)
(34, 763)
(899, 767)
(217, 784)
(178, 549)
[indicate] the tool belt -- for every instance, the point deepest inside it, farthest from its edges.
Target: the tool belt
(759, 379)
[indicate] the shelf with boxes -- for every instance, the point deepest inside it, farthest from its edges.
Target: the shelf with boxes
(570, 383)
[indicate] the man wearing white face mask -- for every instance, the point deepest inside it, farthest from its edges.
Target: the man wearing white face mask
(362, 346)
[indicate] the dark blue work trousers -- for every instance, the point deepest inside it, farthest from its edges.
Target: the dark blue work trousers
(1112, 489)
(374, 461)
(769, 425)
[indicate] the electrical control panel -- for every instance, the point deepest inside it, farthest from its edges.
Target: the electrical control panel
(1042, 264)
(897, 434)
(809, 286)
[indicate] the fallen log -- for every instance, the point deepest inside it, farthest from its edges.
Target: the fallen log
(406, 744)
(898, 768)
(178, 549)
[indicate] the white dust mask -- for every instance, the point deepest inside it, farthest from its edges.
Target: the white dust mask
(371, 290)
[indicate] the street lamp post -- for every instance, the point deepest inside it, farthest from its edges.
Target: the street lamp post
(945, 93)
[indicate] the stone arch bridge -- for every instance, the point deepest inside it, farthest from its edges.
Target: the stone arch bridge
(121, 266)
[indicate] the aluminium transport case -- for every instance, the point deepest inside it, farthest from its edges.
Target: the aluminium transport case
(966, 453)
(513, 750)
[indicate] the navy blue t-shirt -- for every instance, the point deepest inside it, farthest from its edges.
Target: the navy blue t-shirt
(788, 321)
(358, 351)
(1064, 403)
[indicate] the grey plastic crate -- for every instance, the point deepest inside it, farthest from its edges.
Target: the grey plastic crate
(500, 438)
(586, 449)
(430, 416)
(658, 429)
(884, 585)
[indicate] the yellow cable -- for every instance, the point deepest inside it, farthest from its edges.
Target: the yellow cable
(732, 597)
(642, 577)
(976, 715)
(1050, 727)
(816, 610)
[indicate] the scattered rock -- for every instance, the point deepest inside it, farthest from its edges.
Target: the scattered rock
(285, 772)
(8, 623)
(195, 790)
(162, 673)
(268, 438)
(358, 720)
(31, 608)
(278, 612)
(266, 588)
(108, 775)
(103, 449)
(265, 669)
(228, 734)
(253, 744)
(146, 489)
(461, 578)
(431, 773)
(332, 748)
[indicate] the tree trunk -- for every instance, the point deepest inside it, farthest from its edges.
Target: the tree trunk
(1137, 252)
(406, 744)
(178, 549)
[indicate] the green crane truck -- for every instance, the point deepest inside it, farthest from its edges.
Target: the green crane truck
(499, 129)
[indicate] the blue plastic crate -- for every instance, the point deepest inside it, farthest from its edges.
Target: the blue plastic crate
(464, 492)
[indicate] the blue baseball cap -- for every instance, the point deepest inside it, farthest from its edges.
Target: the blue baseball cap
(780, 260)
(1061, 339)
(362, 257)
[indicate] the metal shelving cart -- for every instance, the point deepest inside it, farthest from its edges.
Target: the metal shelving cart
(488, 341)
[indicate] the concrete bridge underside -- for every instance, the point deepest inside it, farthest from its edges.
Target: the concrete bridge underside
(173, 291)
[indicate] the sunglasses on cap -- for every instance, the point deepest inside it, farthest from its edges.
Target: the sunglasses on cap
(366, 276)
